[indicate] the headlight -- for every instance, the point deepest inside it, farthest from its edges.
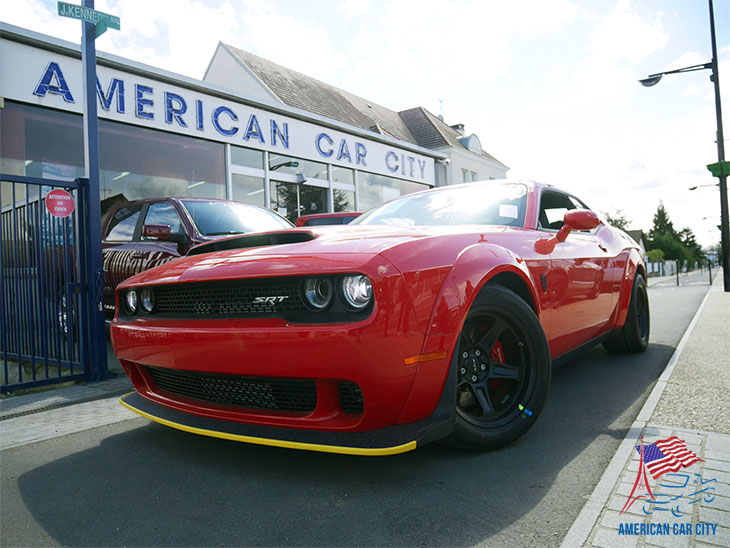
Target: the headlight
(318, 292)
(147, 300)
(130, 300)
(358, 291)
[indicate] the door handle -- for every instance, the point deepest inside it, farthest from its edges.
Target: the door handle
(139, 255)
(603, 248)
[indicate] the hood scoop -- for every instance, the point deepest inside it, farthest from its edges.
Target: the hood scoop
(253, 240)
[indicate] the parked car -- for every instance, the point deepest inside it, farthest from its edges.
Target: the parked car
(436, 316)
(143, 234)
(317, 219)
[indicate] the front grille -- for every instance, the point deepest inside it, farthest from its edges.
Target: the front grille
(250, 392)
(351, 400)
(272, 297)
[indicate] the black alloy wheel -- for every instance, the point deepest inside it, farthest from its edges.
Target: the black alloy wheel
(503, 371)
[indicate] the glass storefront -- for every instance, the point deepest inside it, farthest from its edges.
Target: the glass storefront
(139, 162)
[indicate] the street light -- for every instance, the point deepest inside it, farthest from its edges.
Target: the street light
(722, 168)
(700, 186)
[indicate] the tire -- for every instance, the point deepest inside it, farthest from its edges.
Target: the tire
(503, 372)
(634, 335)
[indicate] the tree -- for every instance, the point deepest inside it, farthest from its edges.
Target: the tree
(694, 250)
(662, 224)
(617, 219)
(655, 255)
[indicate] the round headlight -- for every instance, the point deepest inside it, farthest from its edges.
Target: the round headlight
(130, 300)
(318, 292)
(147, 300)
(358, 291)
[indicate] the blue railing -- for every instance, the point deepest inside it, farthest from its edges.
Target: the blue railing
(44, 285)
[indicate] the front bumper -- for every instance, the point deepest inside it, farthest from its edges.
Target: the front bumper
(398, 393)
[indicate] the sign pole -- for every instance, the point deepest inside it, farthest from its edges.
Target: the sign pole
(92, 199)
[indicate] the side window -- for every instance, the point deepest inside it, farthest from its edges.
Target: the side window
(123, 223)
(164, 214)
(553, 207)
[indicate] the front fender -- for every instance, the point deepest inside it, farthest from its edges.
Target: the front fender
(473, 268)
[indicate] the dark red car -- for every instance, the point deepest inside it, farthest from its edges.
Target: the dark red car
(436, 316)
(147, 233)
(319, 219)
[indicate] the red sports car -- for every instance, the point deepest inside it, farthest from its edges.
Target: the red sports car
(436, 316)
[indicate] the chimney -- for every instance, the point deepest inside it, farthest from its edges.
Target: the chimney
(459, 128)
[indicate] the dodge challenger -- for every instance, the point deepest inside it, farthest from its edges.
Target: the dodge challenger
(436, 316)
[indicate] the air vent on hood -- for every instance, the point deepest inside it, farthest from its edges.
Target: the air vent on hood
(254, 240)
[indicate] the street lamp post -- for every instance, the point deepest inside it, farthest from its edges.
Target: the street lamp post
(722, 168)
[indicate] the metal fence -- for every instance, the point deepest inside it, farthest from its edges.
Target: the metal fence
(44, 337)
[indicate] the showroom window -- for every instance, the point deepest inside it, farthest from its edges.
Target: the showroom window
(135, 162)
(374, 189)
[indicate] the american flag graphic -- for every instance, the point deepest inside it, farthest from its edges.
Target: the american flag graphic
(667, 455)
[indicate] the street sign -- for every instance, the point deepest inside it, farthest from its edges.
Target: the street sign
(59, 203)
(102, 20)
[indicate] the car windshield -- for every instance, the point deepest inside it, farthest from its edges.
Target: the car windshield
(221, 218)
(481, 204)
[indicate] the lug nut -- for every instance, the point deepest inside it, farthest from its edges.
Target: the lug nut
(463, 371)
(465, 355)
(478, 353)
(484, 367)
(473, 378)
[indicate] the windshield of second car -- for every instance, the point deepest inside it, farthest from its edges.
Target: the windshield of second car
(221, 218)
(482, 204)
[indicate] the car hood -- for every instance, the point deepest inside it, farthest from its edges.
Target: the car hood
(323, 250)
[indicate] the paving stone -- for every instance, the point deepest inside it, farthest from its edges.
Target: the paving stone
(609, 538)
(668, 541)
(617, 503)
(714, 464)
(721, 538)
(718, 455)
(715, 515)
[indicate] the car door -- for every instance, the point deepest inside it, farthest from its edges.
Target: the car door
(579, 293)
(118, 248)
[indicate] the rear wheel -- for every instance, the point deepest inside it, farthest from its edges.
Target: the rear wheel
(634, 335)
(503, 371)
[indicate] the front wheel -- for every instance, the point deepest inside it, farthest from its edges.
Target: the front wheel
(503, 371)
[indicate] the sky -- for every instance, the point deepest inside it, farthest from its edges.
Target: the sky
(550, 87)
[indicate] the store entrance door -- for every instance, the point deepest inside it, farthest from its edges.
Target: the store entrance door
(291, 200)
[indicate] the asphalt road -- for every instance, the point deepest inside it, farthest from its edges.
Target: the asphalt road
(136, 483)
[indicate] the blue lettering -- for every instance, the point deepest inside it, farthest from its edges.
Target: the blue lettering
(422, 167)
(253, 130)
(394, 166)
(116, 86)
(227, 132)
(199, 114)
(318, 142)
(344, 152)
(175, 111)
(360, 153)
(411, 159)
(277, 131)
(141, 102)
(46, 85)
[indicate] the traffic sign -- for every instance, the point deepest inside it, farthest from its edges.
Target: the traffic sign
(102, 20)
(60, 203)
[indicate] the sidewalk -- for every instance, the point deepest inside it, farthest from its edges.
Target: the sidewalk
(691, 401)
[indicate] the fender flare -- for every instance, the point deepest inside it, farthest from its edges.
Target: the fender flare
(474, 267)
(634, 264)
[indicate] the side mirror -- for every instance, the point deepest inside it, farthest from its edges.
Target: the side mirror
(163, 233)
(577, 219)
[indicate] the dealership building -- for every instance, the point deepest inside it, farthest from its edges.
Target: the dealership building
(250, 131)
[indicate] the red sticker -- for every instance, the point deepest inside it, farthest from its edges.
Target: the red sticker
(60, 203)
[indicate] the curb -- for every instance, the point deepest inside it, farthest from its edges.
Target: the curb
(588, 516)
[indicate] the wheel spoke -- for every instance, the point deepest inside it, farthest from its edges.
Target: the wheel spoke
(503, 371)
(482, 396)
(492, 334)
